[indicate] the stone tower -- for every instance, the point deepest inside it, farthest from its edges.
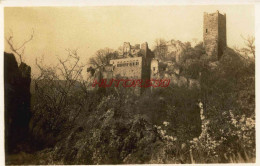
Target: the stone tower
(214, 34)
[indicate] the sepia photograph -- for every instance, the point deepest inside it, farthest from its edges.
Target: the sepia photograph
(88, 85)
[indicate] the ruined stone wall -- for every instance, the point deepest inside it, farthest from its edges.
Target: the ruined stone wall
(171, 50)
(175, 48)
(144, 49)
(126, 48)
(127, 68)
(135, 63)
(130, 51)
(135, 67)
(214, 34)
(154, 69)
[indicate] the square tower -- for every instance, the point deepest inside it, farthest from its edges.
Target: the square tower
(214, 34)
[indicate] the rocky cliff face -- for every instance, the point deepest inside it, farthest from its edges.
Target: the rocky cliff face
(17, 81)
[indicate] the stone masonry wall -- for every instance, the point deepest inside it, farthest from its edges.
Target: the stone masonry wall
(214, 34)
(210, 33)
(127, 68)
(134, 63)
(222, 34)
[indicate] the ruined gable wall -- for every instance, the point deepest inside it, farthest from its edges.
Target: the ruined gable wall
(175, 48)
(154, 69)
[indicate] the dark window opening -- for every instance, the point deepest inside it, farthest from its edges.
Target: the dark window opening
(206, 30)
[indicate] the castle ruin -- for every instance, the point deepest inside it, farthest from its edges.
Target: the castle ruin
(214, 34)
(133, 62)
(139, 62)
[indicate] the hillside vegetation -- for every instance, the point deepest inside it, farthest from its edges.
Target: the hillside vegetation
(213, 123)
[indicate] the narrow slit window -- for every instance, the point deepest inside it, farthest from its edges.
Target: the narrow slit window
(206, 30)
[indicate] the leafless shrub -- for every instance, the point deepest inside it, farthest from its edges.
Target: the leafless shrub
(18, 50)
(60, 93)
(102, 57)
(249, 50)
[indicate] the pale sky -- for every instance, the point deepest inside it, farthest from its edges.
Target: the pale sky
(93, 28)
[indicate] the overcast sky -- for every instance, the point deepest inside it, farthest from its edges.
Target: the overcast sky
(93, 28)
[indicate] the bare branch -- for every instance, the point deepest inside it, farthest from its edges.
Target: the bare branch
(16, 50)
(250, 45)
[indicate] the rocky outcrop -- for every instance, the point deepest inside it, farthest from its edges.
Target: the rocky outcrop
(172, 71)
(17, 81)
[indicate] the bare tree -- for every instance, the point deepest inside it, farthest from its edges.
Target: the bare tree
(102, 57)
(250, 45)
(18, 50)
(249, 50)
(61, 87)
